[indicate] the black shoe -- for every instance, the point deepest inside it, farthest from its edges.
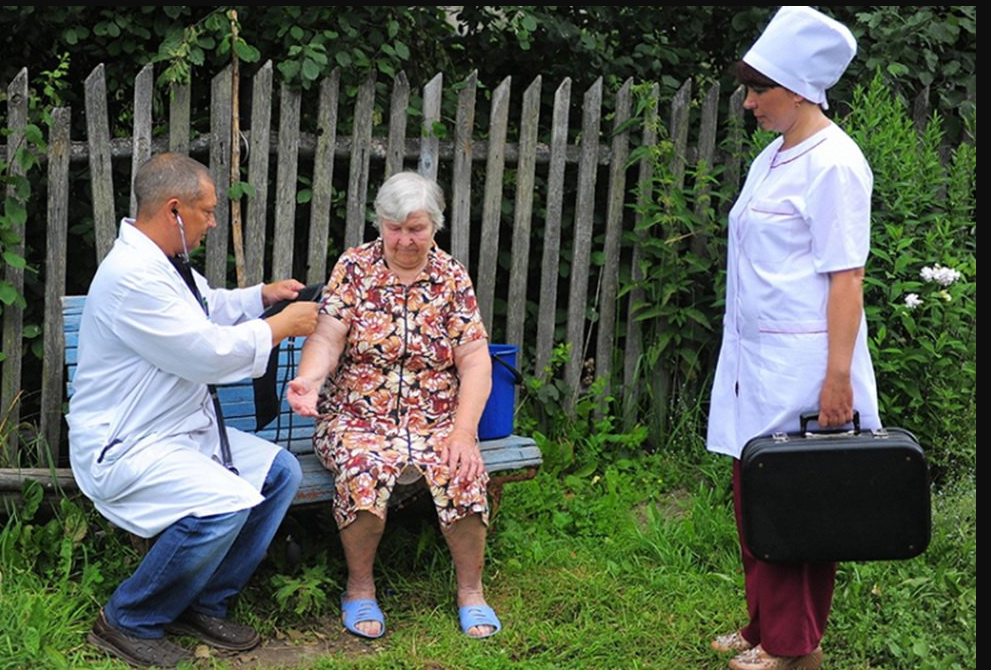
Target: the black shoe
(217, 632)
(138, 652)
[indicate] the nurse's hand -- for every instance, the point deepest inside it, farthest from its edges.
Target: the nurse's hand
(302, 397)
(836, 401)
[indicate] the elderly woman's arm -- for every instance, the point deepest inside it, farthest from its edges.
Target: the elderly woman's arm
(321, 353)
(475, 373)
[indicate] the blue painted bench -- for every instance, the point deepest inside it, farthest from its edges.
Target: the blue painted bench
(512, 458)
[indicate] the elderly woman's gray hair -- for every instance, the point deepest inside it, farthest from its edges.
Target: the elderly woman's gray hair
(406, 192)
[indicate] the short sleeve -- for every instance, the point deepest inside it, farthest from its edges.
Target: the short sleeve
(340, 295)
(464, 323)
(839, 214)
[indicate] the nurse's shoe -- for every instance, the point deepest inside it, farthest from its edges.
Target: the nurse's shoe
(734, 642)
(758, 659)
(138, 652)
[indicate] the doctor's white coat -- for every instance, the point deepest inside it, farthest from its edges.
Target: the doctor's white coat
(143, 439)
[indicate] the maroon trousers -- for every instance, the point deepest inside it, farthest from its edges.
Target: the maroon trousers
(788, 603)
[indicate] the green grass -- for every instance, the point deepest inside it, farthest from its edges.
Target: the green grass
(635, 566)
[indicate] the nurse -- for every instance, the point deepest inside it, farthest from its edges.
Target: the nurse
(144, 442)
(795, 337)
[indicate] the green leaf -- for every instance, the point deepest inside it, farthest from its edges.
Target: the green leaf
(311, 71)
(246, 52)
(8, 294)
(14, 260)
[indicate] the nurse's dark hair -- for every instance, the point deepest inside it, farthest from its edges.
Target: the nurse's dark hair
(748, 76)
(169, 175)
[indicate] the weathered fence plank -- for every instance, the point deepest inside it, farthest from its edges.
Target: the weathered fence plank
(101, 172)
(706, 152)
(429, 155)
(582, 244)
(733, 158)
(56, 243)
(398, 110)
(180, 107)
(660, 380)
(633, 345)
(221, 111)
(464, 125)
(606, 336)
(286, 178)
(550, 259)
(13, 313)
(256, 216)
(141, 128)
(322, 189)
(523, 211)
(488, 257)
(360, 159)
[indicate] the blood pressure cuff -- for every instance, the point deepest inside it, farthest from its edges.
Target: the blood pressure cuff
(268, 391)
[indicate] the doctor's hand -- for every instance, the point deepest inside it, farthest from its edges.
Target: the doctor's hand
(298, 319)
(302, 397)
(287, 289)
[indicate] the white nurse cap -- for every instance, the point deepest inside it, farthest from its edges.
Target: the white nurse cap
(803, 50)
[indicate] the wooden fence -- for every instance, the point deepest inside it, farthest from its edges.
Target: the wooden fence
(591, 163)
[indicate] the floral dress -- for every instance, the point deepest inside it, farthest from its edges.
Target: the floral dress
(394, 394)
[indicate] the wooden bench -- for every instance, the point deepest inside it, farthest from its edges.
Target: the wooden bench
(512, 458)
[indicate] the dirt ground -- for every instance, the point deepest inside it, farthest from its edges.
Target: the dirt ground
(295, 648)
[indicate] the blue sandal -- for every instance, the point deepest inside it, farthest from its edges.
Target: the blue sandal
(478, 615)
(362, 609)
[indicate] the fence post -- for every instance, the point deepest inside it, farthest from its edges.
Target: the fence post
(549, 269)
(56, 244)
(13, 313)
(588, 167)
(523, 211)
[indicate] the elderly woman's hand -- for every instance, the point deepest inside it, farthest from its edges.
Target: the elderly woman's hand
(302, 397)
(461, 453)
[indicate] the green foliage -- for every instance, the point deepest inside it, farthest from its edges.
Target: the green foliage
(922, 320)
(306, 594)
(581, 438)
(677, 287)
(922, 46)
(46, 584)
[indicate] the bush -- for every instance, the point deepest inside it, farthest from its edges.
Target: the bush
(921, 285)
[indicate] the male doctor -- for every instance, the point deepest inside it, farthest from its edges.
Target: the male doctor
(144, 442)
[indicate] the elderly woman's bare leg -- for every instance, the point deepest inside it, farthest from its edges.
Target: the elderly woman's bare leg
(466, 540)
(361, 540)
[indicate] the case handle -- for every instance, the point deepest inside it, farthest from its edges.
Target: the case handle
(805, 417)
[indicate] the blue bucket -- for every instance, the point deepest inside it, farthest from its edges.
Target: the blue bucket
(497, 419)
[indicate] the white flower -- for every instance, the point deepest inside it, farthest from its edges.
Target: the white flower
(945, 295)
(912, 300)
(942, 275)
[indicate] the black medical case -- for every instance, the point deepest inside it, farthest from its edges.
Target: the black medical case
(835, 495)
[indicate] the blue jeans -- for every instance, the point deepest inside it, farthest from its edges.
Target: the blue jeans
(199, 562)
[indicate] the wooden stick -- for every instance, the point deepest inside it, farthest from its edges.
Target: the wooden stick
(237, 237)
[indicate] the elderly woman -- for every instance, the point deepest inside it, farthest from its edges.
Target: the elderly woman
(794, 333)
(398, 373)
